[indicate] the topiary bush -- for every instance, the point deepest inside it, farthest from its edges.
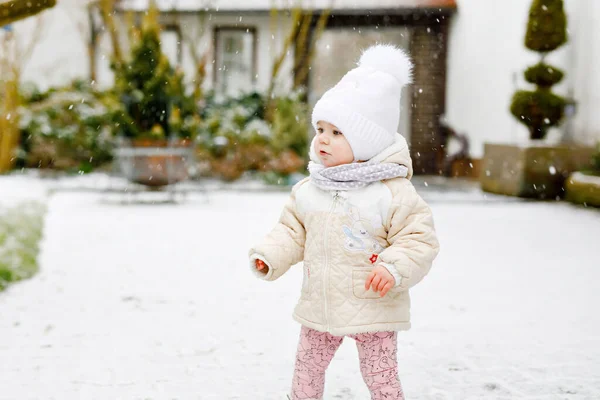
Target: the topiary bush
(541, 109)
(543, 75)
(547, 26)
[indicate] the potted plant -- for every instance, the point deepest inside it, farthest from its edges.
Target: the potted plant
(160, 120)
(537, 170)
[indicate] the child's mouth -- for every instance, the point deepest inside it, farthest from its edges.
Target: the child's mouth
(324, 153)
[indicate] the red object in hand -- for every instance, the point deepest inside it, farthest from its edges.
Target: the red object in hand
(373, 258)
(260, 265)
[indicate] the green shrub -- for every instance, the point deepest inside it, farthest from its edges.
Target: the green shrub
(290, 125)
(241, 120)
(540, 109)
(156, 101)
(20, 235)
(547, 26)
(67, 128)
(235, 136)
(543, 75)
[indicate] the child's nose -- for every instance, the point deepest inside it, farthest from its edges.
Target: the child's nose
(323, 138)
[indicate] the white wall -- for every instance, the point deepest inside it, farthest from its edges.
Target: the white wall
(61, 52)
(486, 53)
(586, 71)
(268, 46)
(203, 38)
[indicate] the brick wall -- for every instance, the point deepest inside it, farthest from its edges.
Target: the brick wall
(428, 50)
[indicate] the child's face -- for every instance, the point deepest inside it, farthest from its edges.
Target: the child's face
(331, 146)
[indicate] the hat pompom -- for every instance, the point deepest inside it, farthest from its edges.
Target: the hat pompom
(389, 59)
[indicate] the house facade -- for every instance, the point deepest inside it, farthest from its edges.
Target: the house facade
(469, 57)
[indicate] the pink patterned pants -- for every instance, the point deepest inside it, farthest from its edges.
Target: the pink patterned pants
(378, 364)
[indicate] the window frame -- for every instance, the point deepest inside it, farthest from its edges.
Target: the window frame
(175, 28)
(235, 28)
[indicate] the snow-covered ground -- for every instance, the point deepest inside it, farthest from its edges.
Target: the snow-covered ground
(156, 302)
(18, 188)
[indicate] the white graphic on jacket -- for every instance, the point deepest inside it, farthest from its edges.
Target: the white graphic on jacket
(359, 237)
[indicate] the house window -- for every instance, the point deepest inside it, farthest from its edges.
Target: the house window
(235, 61)
(170, 44)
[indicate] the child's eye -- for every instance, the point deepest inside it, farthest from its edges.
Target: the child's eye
(320, 130)
(337, 132)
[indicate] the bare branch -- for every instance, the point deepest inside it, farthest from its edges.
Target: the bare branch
(107, 9)
(200, 59)
(304, 68)
(274, 17)
(16, 10)
(296, 22)
(302, 38)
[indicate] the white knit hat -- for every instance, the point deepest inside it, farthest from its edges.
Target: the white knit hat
(365, 104)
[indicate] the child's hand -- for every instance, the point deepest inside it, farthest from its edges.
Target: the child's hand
(380, 280)
(261, 266)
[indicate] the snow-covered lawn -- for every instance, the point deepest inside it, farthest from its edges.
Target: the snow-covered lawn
(156, 302)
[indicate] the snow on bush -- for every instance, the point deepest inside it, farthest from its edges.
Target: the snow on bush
(20, 234)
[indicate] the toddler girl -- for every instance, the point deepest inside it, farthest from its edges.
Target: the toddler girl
(365, 235)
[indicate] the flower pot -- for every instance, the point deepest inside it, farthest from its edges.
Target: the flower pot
(531, 171)
(155, 163)
(583, 189)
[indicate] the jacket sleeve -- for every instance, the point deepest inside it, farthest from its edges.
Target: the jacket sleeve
(413, 243)
(284, 245)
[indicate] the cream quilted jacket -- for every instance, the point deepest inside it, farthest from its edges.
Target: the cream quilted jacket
(340, 235)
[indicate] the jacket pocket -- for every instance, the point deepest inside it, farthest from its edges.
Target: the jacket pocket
(359, 278)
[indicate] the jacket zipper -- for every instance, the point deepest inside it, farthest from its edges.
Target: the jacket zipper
(326, 269)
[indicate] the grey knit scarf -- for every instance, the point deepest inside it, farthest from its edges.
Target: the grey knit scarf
(353, 176)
